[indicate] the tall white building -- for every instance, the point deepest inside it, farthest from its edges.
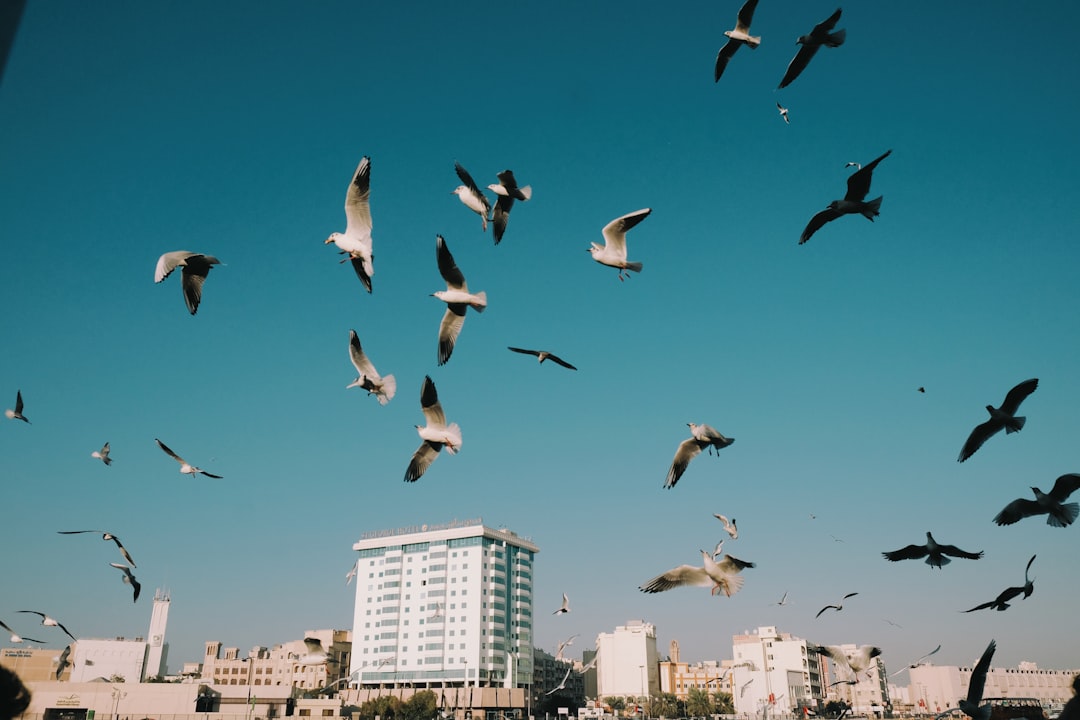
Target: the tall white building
(134, 660)
(628, 664)
(773, 669)
(448, 603)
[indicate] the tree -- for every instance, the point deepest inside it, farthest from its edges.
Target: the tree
(421, 706)
(615, 703)
(664, 705)
(723, 704)
(386, 707)
(698, 703)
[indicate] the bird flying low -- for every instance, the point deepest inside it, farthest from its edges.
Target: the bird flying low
(129, 579)
(858, 185)
(562, 683)
(185, 467)
(936, 554)
(316, 654)
(457, 297)
(701, 437)
(436, 434)
(17, 413)
(916, 663)
(721, 577)
(855, 660)
(838, 606)
(383, 388)
(508, 191)
(1001, 418)
(356, 241)
(565, 607)
(196, 268)
(1052, 504)
(613, 252)
(104, 536)
(737, 38)
(822, 34)
(543, 355)
(972, 705)
(16, 638)
(49, 622)
(471, 196)
(1001, 602)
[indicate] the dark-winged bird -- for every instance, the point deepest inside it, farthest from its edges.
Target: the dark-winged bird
(1001, 602)
(104, 536)
(934, 552)
(721, 576)
(457, 297)
(736, 38)
(196, 268)
(858, 185)
(1052, 504)
(435, 433)
(471, 197)
(508, 191)
(1003, 417)
(49, 622)
(17, 413)
(701, 437)
(613, 252)
(543, 355)
(971, 704)
(356, 241)
(185, 467)
(129, 579)
(821, 35)
(383, 388)
(838, 606)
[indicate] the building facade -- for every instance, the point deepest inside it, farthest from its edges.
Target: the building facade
(773, 671)
(628, 665)
(281, 666)
(936, 688)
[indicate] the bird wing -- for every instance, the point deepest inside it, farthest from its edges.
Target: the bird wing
(1064, 486)
(500, 216)
(1016, 396)
(956, 552)
(313, 645)
(677, 577)
(1017, 510)
(123, 550)
(817, 221)
(357, 203)
(169, 452)
(978, 675)
(18, 402)
(421, 460)
(194, 274)
(359, 359)
(447, 267)
(211, 475)
(909, 552)
(559, 361)
(859, 182)
(449, 329)
(746, 16)
(687, 451)
(466, 178)
(523, 351)
(67, 632)
(360, 268)
(798, 63)
(723, 57)
(429, 403)
(169, 262)
(615, 231)
(825, 26)
(732, 564)
(978, 436)
(983, 606)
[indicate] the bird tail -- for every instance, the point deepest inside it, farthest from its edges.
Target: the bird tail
(453, 438)
(731, 584)
(872, 208)
(1069, 511)
(389, 387)
(835, 39)
(937, 562)
(1015, 424)
(635, 266)
(479, 301)
(753, 41)
(526, 192)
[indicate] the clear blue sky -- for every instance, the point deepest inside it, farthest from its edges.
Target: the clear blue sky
(131, 129)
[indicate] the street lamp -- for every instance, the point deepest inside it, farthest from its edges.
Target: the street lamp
(117, 694)
(642, 668)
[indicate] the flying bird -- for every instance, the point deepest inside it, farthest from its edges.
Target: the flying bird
(729, 527)
(855, 660)
(49, 622)
(613, 252)
(16, 638)
(435, 433)
(316, 654)
(565, 607)
(701, 437)
(196, 268)
(737, 38)
(356, 241)
(563, 645)
(129, 579)
(17, 413)
(722, 576)
(562, 683)
(1052, 504)
(185, 467)
(102, 454)
(1003, 417)
(383, 388)
(351, 575)
(858, 185)
(742, 688)
(471, 197)
(971, 704)
(508, 191)
(62, 662)
(916, 663)
(838, 606)
(783, 601)
(936, 554)
(543, 355)
(852, 163)
(718, 549)
(822, 34)
(104, 536)
(457, 297)
(589, 665)
(783, 113)
(1001, 602)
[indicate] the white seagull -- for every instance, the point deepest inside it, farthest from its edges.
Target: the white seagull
(471, 196)
(855, 660)
(106, 536)
(1003, 417)
(613, 252)
(701, 437)
(543, 355)
(356, 241)
(102, 454)
(49, 622)
(722, 576)
(821, 35)
(934, 552)
(16, 638)
(185, 467)
(457, 297)
(783, 113)
(565, 607)
(351, 575)
(508, 191)
(196, 268)
(729, 527)
(383, 388)
(858, 185)
(916, 663)
(562, 683)
(129, 579)
(838, 606)
(436, 434)
(736, 38)
(17, 413)
(1052, 504)
(563, 645)
(316, 653)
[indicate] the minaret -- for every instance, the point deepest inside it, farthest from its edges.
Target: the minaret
(157, 650)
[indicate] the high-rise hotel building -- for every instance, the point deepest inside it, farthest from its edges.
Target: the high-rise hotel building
(443, 605)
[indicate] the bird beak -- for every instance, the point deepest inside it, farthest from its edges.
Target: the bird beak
(328, 241)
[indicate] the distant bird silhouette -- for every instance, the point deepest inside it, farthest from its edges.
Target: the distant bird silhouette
(1003, 417)
(915, 664)
(457, 297)
(838, 606)
(701, 437)
(972, 704)
(852, 163)
(721, 577)
(613, 252)
(821, 35)
(729, 527)
(186, 468)
(356, 241)
(102, 454)
(508, 191)
(471, 196)
(196, 268)
(858, 185)
(783, 601)
(936, 554)
(783, 113)
(49, 622)
(382, 387)
(543, 355)
(921, 389)
(351, 575)
(104, 536)
(737, 38)
(17, 413)
(1052, 504)
(1001, 602)
(128, 578)
(435, 433)
(565, 607)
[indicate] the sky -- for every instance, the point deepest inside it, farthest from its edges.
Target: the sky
(130, 129)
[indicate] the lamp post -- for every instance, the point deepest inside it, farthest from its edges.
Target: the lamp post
(117, 694)
(642, 669)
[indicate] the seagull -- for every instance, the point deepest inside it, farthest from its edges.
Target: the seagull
(316, 654)
(438, 612)
(102, 454)
(736, 38)
(783, 113)
(589, 665)
(1001, 602)
(104, 536)
(16, 414)
(1002, 417)
(563, 645)
(508, 191)
(934, 553)
(543, 355)
(894, 624)
(783, 601)
(858, 185)
(16, 638)
(457, 297)
(356, 240)
(562, 683)
(728, 526)
(838, 606)
(185, 468)
(196, 268)
(435, 433)
(856, 660)
(970, 704)
(351, 575)
(128, 578)
(470, 196)
(383, 388)
(62, 663)
(613, 252)
(821, 35)
(742, 688)
(565, 607)
(701, 437)
(921, 389)
(916, 663)
(49, 622)
(718, 549)
(1052, 504)
(720, 576)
